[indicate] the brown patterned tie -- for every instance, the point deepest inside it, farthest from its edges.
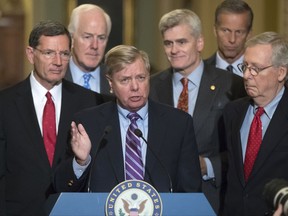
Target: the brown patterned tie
(183, 99)
(254, 142)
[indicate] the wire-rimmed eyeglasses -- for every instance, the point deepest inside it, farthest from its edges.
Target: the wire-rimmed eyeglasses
(252, 69)
(51, 54)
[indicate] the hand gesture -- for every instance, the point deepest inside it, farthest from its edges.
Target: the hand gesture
(80, 142)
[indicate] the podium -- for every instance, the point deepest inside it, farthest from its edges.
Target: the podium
(93, 204)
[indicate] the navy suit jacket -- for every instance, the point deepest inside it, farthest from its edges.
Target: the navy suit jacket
(243, 199)
(171, 138)
(25, 173)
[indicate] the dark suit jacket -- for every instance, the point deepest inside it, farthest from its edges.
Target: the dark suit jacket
(171, 137)
(104, 84)
(207, 115)
(243, 199)
(25, 173)
(211, 60)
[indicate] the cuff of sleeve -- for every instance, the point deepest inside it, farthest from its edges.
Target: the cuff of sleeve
(78, 169)
(210, 171)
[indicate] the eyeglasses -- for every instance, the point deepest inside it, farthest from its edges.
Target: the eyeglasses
(51, 54)
(252, 69)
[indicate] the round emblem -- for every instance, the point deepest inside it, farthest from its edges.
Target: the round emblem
(133, 197)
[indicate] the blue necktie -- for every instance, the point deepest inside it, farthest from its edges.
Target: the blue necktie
(133, 158)
(87, 77)
(230, 68)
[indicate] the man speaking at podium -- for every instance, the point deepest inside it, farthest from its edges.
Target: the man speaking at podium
(107, 151)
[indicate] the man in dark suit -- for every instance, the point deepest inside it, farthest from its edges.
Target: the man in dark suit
(209, 90)
(90, 27)
(25, 169)
(264, 72)
(233, 26)
(169, 132)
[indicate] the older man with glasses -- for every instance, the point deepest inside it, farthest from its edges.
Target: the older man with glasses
(257, 126)
(35, 118)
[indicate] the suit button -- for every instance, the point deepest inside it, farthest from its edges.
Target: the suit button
(70, 183)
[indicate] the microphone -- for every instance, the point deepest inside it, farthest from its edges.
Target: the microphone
(106, 131)
(139, 134)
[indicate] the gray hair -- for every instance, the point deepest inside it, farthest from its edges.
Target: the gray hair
(181, 16)
(118, 57)
(76, 12)
(278, 43)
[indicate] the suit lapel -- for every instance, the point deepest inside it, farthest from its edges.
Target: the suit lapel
(236, 147)
(114, 145)
(205, 98)
(104, 84)
(26, 109)
(274, 133)
(67, 105)
(156, 120)
(165, 88)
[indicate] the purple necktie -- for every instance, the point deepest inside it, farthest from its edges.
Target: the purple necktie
(133, 157)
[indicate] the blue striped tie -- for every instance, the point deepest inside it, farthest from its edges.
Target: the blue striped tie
(87, 77)
(133, 158)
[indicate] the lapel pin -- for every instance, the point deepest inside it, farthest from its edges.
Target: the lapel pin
(212, 87)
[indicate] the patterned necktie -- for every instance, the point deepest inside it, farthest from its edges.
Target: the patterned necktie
(49, 127)
(229, 68)
(86, 78)
(183, 99)
(133, 158)
(254, 142)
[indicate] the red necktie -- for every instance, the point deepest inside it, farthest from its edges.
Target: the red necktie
(49, 127)
(254, 142)
(183, 99)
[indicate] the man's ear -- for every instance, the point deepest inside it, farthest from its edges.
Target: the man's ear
(30, 54)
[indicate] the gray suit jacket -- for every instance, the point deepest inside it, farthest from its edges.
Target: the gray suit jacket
(207, 116)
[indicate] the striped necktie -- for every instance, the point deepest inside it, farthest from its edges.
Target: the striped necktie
(134, 168)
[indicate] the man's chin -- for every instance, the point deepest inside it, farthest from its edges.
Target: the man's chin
(89, 68)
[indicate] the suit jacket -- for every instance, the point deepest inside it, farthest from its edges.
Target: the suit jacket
(211, 60)
(242, 198)
(104, 84)
(171, 138)
(25, 173)
(207, 116)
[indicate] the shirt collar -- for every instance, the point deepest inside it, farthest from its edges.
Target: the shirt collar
(271, 107)
(77, 74)
(195, 76)
(143, 112)
(39, 91)
(221, 63)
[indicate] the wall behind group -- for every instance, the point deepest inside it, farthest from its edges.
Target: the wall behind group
(139, 22)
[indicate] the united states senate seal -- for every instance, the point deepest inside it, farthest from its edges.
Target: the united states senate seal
(133, 198)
